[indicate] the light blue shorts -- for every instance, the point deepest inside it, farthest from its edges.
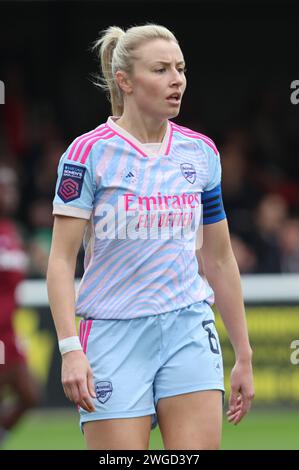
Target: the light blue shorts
(138, 361)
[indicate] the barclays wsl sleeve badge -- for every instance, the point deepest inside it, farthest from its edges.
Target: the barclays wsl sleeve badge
(71, 182)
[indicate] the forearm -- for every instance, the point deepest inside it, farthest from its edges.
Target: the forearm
(61, 293)
(224, 278)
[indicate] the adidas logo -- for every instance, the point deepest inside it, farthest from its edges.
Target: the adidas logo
(130, 175)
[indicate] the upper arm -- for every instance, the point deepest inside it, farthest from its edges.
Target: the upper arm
(73, 202)
(67, 237)
(216, 246)
(76, 184)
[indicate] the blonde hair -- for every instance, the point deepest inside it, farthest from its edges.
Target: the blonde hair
(115, 50)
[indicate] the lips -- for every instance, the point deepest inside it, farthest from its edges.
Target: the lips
(174, 96)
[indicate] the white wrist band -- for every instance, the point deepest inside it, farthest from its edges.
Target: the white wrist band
(69, 344)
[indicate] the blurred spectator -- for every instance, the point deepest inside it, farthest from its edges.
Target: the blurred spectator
(244, 254)
(14, 372)
(289, 245)
(268, 123)
(273, 179)
(15, 111)
(45, 170)
(39, 244)
(270, 215)
(40, 222)
(240, 195)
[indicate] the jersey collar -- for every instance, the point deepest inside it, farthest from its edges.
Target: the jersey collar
(139, 146)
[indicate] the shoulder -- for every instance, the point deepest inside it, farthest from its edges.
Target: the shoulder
(80, 149)
(203, 140)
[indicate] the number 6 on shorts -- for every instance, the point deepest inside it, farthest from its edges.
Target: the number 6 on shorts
(212, 338)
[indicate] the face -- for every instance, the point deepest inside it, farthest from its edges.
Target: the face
(157, 82)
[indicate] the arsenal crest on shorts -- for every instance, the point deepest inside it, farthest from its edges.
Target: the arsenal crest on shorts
(103, 390)
(71, 182)
(189, 172)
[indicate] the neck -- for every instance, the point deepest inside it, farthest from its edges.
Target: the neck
(143, 128)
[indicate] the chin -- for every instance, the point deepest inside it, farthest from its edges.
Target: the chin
(169, 114)
(174, 114)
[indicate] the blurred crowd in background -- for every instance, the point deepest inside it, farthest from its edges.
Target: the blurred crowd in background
(260, 178)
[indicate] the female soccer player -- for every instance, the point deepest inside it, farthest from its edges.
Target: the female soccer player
(15, 376)
(136, 187)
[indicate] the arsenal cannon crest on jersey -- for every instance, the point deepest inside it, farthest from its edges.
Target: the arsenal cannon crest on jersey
(189, 172)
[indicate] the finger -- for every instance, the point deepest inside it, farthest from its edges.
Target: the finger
(69, 392)
(73, 392)
(90, 385)
(238, 411)
(233, 416)
(238, 406)
(233, 401)
(85, 397)
(246, 404)
(230, 412)
(66, 392)
(83, 404)
(86, 404)
(235, 419)
(239, 416)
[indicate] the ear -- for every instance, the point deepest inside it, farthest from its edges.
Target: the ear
(124, 81)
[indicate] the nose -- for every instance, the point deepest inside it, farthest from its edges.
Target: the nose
(177, 77)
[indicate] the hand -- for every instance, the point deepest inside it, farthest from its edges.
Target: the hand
(242, 391)
(77, 379)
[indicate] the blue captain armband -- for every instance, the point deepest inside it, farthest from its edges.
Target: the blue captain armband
(213, 210)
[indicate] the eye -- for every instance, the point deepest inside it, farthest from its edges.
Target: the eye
(160, 70)
(182, 69)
